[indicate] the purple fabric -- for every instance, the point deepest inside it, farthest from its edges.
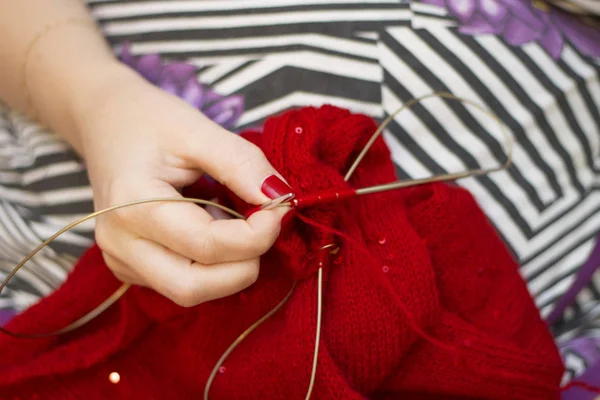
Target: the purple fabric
(582, 279)
(524, 21)
(586, 347)
(591, 377)
(5, 316)
(180, 80)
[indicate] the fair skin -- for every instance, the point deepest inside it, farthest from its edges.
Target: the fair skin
(138, 142)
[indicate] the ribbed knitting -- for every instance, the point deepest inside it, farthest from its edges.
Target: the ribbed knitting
(423, 259)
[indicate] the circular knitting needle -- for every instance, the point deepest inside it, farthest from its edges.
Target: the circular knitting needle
(120, 291)
(282, 201)
(454, 176)
(399, 184)
(241, 338)
(313, 372)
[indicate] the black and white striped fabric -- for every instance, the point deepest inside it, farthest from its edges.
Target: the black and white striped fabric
(43, 187)
(370, 57)
(546, 206)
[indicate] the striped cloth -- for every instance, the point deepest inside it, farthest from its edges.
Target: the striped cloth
(369, 56)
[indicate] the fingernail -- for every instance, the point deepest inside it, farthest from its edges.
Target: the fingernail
(273, 187)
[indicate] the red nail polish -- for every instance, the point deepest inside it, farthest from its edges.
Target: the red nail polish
(273, 187)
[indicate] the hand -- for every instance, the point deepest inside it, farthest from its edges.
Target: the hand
(141, 142)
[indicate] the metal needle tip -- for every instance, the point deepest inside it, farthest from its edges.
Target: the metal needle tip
(276, 202)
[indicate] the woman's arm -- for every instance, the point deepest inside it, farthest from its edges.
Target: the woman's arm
(139, 142)
(53, 58)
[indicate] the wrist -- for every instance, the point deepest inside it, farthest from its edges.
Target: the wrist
(66, 68)
(115, 89)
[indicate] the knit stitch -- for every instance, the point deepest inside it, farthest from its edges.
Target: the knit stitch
(424, 302)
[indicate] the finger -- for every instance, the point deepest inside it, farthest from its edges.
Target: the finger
(127, 279)
(185, 282)
(122, 271)
(235, 162)
(216, 213)
(190, 231)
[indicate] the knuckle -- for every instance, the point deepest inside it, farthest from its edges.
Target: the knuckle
(120, 277)
(262, 244)
(254, 247)
(120, 193)
(258, 242)
(185, 294)
(252, 273)
(249, 154)
(206, 250)
(157, 213)
(114, 265)
(245, 154)
(103, 237)
(183, 301)
(121, 215)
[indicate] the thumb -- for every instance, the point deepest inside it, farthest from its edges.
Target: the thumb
(236, 163)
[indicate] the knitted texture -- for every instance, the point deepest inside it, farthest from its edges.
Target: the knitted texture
(423, 301)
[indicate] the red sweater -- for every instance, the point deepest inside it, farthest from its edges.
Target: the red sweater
(432, 263)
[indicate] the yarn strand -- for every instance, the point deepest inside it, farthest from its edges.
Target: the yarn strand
(582, 385)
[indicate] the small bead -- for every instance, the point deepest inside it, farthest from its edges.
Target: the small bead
(114, 377)
(299, 130)
(385, 269)
(467, 343)
(221, 370)
(382, 241)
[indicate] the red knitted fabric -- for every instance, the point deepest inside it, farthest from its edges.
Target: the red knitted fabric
(423, 302)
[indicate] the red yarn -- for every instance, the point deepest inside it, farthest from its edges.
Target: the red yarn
(448, 318)
(583, 385)
(334, 232)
